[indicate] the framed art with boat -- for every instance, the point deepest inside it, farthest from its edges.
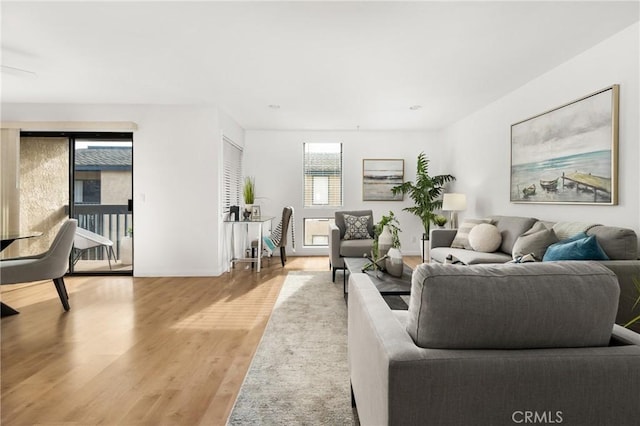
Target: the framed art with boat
(568, 155)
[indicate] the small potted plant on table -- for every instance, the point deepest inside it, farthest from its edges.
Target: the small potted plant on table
(386, 245)
(440, 220)
(248, 193)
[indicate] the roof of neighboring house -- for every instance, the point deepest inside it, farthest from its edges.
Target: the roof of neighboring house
(104, 158)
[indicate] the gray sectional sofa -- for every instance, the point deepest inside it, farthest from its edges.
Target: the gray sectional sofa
(620, 245)
(489, 344)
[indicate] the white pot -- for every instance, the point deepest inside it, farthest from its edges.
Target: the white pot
(384, 241)
(126, 250)
(393, 263)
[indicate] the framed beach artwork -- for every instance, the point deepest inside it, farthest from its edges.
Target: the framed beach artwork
(379, 176)
(568, 155)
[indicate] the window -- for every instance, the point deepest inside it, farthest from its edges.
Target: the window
(320, 190)
(323, 174)
(87, 191)
(316, 232)
(231, 174)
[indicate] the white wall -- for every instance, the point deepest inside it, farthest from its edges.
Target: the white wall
(176, 179)
(479, 145)
(177, 161)
(275, 159)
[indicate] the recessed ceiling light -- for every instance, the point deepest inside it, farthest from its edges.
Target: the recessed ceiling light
(415, 107)
(274, 106)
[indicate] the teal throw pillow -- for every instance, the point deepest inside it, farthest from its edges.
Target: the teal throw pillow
(585, 248)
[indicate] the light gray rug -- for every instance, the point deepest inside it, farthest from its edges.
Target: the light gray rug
(299, 375)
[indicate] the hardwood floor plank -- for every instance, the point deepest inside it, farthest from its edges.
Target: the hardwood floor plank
(136, 351)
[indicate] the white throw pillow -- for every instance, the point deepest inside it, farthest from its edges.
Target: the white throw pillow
(485, 238)
(461, 239)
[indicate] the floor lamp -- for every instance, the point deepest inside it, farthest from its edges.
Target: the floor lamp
(454, 203)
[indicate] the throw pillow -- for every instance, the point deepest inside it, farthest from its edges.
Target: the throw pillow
(534, 242)
(485, 238)
(461, 239)
(356, 227)
(576, 249)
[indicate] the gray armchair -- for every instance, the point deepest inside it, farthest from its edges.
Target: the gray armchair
(51, 265)
(339, 248)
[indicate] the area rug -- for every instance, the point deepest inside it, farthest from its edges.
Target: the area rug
(299, 374)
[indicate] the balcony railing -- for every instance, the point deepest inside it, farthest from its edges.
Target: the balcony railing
(109, 220)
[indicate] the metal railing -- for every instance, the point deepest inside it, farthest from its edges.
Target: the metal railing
(109, 220)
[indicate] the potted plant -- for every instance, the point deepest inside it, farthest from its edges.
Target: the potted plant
(126, 247)
(248, 193)
(425, 192)
(440, 220)
(393, 257)
(386, 230)
(385, 238)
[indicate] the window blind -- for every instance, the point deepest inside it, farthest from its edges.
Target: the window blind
(231, 174)
(323, 174)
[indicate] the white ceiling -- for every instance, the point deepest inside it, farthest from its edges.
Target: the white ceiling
(329, 65)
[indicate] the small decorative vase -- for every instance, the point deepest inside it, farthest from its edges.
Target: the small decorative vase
(384, 241)
(393, 263)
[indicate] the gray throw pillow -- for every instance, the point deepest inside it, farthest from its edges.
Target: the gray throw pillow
(461, 239)
(511, 227)
(356, 227)
(535, 242)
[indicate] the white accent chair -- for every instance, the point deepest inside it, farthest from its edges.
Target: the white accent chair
(85, 240)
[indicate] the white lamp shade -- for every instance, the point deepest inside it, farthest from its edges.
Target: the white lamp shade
(454, 202)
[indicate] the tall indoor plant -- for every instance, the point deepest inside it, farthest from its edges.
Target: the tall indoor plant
(426, 192)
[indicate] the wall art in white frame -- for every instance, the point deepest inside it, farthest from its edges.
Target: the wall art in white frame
(568, 155)
(379, 176)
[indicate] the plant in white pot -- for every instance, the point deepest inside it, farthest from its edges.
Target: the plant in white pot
(386, 246)
(126, 247)
(393, 262)
(385, 235)
(249, 194)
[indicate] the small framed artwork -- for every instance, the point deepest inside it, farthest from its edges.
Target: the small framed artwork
(255, 211)
(568, 155)
(379, 176)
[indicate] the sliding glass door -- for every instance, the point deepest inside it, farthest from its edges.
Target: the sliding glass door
(86, 176)
(101, 202)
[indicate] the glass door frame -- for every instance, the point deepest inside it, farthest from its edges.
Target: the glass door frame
(71, 208)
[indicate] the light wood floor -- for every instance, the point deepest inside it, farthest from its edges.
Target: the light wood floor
(136, 351)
